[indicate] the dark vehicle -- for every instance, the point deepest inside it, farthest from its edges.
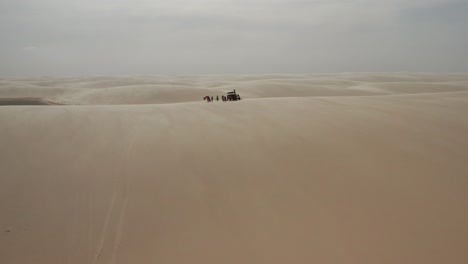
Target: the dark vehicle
(233, 96)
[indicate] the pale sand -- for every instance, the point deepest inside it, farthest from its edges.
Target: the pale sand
(348, 168)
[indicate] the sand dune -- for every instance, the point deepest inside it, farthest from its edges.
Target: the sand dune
(410, 87)
(137, 94)
(375, 173)
(177, 89)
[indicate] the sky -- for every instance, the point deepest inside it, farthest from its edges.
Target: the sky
(128, 37)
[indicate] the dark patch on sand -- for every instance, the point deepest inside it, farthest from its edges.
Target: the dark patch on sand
(25, 101)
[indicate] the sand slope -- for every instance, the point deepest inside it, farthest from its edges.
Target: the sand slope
(378, 178)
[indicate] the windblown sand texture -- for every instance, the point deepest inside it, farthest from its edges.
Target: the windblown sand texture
(331, 168)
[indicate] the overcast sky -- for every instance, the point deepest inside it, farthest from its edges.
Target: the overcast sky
(111, 37)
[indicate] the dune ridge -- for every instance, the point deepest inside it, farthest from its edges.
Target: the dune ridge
(176, 89)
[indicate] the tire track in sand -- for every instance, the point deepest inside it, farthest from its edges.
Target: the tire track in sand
(123, 209)
(119, 231)
(103, 235)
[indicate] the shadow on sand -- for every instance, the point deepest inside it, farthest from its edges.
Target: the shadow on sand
(25, 101)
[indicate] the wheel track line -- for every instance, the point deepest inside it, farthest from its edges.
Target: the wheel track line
(105, 228)
(119, 231)
(90, 227)
(123, 208)
(74, 224)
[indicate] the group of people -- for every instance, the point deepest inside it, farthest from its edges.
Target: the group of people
(231, 96)
(211, 99)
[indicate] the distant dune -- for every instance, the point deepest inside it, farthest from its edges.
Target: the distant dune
(178, 89)
(323, 168)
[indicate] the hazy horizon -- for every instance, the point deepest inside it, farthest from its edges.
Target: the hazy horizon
(123, 37)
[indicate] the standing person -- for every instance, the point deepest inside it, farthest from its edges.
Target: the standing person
(217, 98)
(212, 99)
